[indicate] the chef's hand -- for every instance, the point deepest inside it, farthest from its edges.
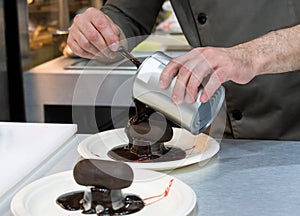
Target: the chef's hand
(217, 64)
(92, 32)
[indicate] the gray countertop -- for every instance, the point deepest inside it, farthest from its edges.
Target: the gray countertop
(246, 177)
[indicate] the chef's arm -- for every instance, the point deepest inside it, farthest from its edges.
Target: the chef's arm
(133, 17)
(276, 52)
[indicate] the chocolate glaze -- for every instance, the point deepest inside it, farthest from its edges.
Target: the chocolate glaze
(103, 196)
(165, 154)
(147, 131)
(73, 201)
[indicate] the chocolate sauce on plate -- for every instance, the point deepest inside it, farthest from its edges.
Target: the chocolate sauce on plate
(73, 201)
(165, 154)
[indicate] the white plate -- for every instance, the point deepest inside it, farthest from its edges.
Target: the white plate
(39, 197)
(198, 148)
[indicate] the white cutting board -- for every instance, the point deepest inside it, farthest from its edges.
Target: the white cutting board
(26, 146)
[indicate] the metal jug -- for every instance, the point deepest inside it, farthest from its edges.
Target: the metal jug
(194, 117)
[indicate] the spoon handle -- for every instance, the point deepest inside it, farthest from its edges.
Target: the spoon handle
(129, 56)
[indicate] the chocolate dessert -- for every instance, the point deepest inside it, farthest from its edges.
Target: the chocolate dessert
(147, 131)
(104, 181)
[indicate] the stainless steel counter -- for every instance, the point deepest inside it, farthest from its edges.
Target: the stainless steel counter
(52, 84)
(246, 177)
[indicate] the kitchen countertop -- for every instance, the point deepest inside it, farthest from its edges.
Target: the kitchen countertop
(246, 177)
(27, 152)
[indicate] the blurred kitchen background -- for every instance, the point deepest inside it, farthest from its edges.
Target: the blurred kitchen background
(39, 80)
(31, 32)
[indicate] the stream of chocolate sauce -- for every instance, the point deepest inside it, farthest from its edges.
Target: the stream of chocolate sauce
(137, 150)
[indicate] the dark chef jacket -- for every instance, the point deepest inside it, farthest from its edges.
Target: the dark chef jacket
(266, 108)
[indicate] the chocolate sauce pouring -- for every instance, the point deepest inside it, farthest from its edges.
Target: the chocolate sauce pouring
(146, 139)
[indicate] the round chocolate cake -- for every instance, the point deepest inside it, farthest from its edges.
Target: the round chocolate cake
(104, 181)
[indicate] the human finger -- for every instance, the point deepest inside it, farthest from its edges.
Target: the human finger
(78, 51)
(79, 44)
(179, 89)
(200, 71)
(94, 32)
(99, 32)
(108, 30)
(168, 74)
(211, 86)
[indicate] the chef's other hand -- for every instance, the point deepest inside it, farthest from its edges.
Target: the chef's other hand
(91, 33)
(217, 64)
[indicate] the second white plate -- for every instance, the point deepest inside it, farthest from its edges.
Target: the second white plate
(163, 195)
(197, 147)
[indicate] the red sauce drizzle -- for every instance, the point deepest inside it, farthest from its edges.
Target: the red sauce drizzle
(160, 196)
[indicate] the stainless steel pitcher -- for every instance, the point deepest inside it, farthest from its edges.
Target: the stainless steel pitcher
(194, 117)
